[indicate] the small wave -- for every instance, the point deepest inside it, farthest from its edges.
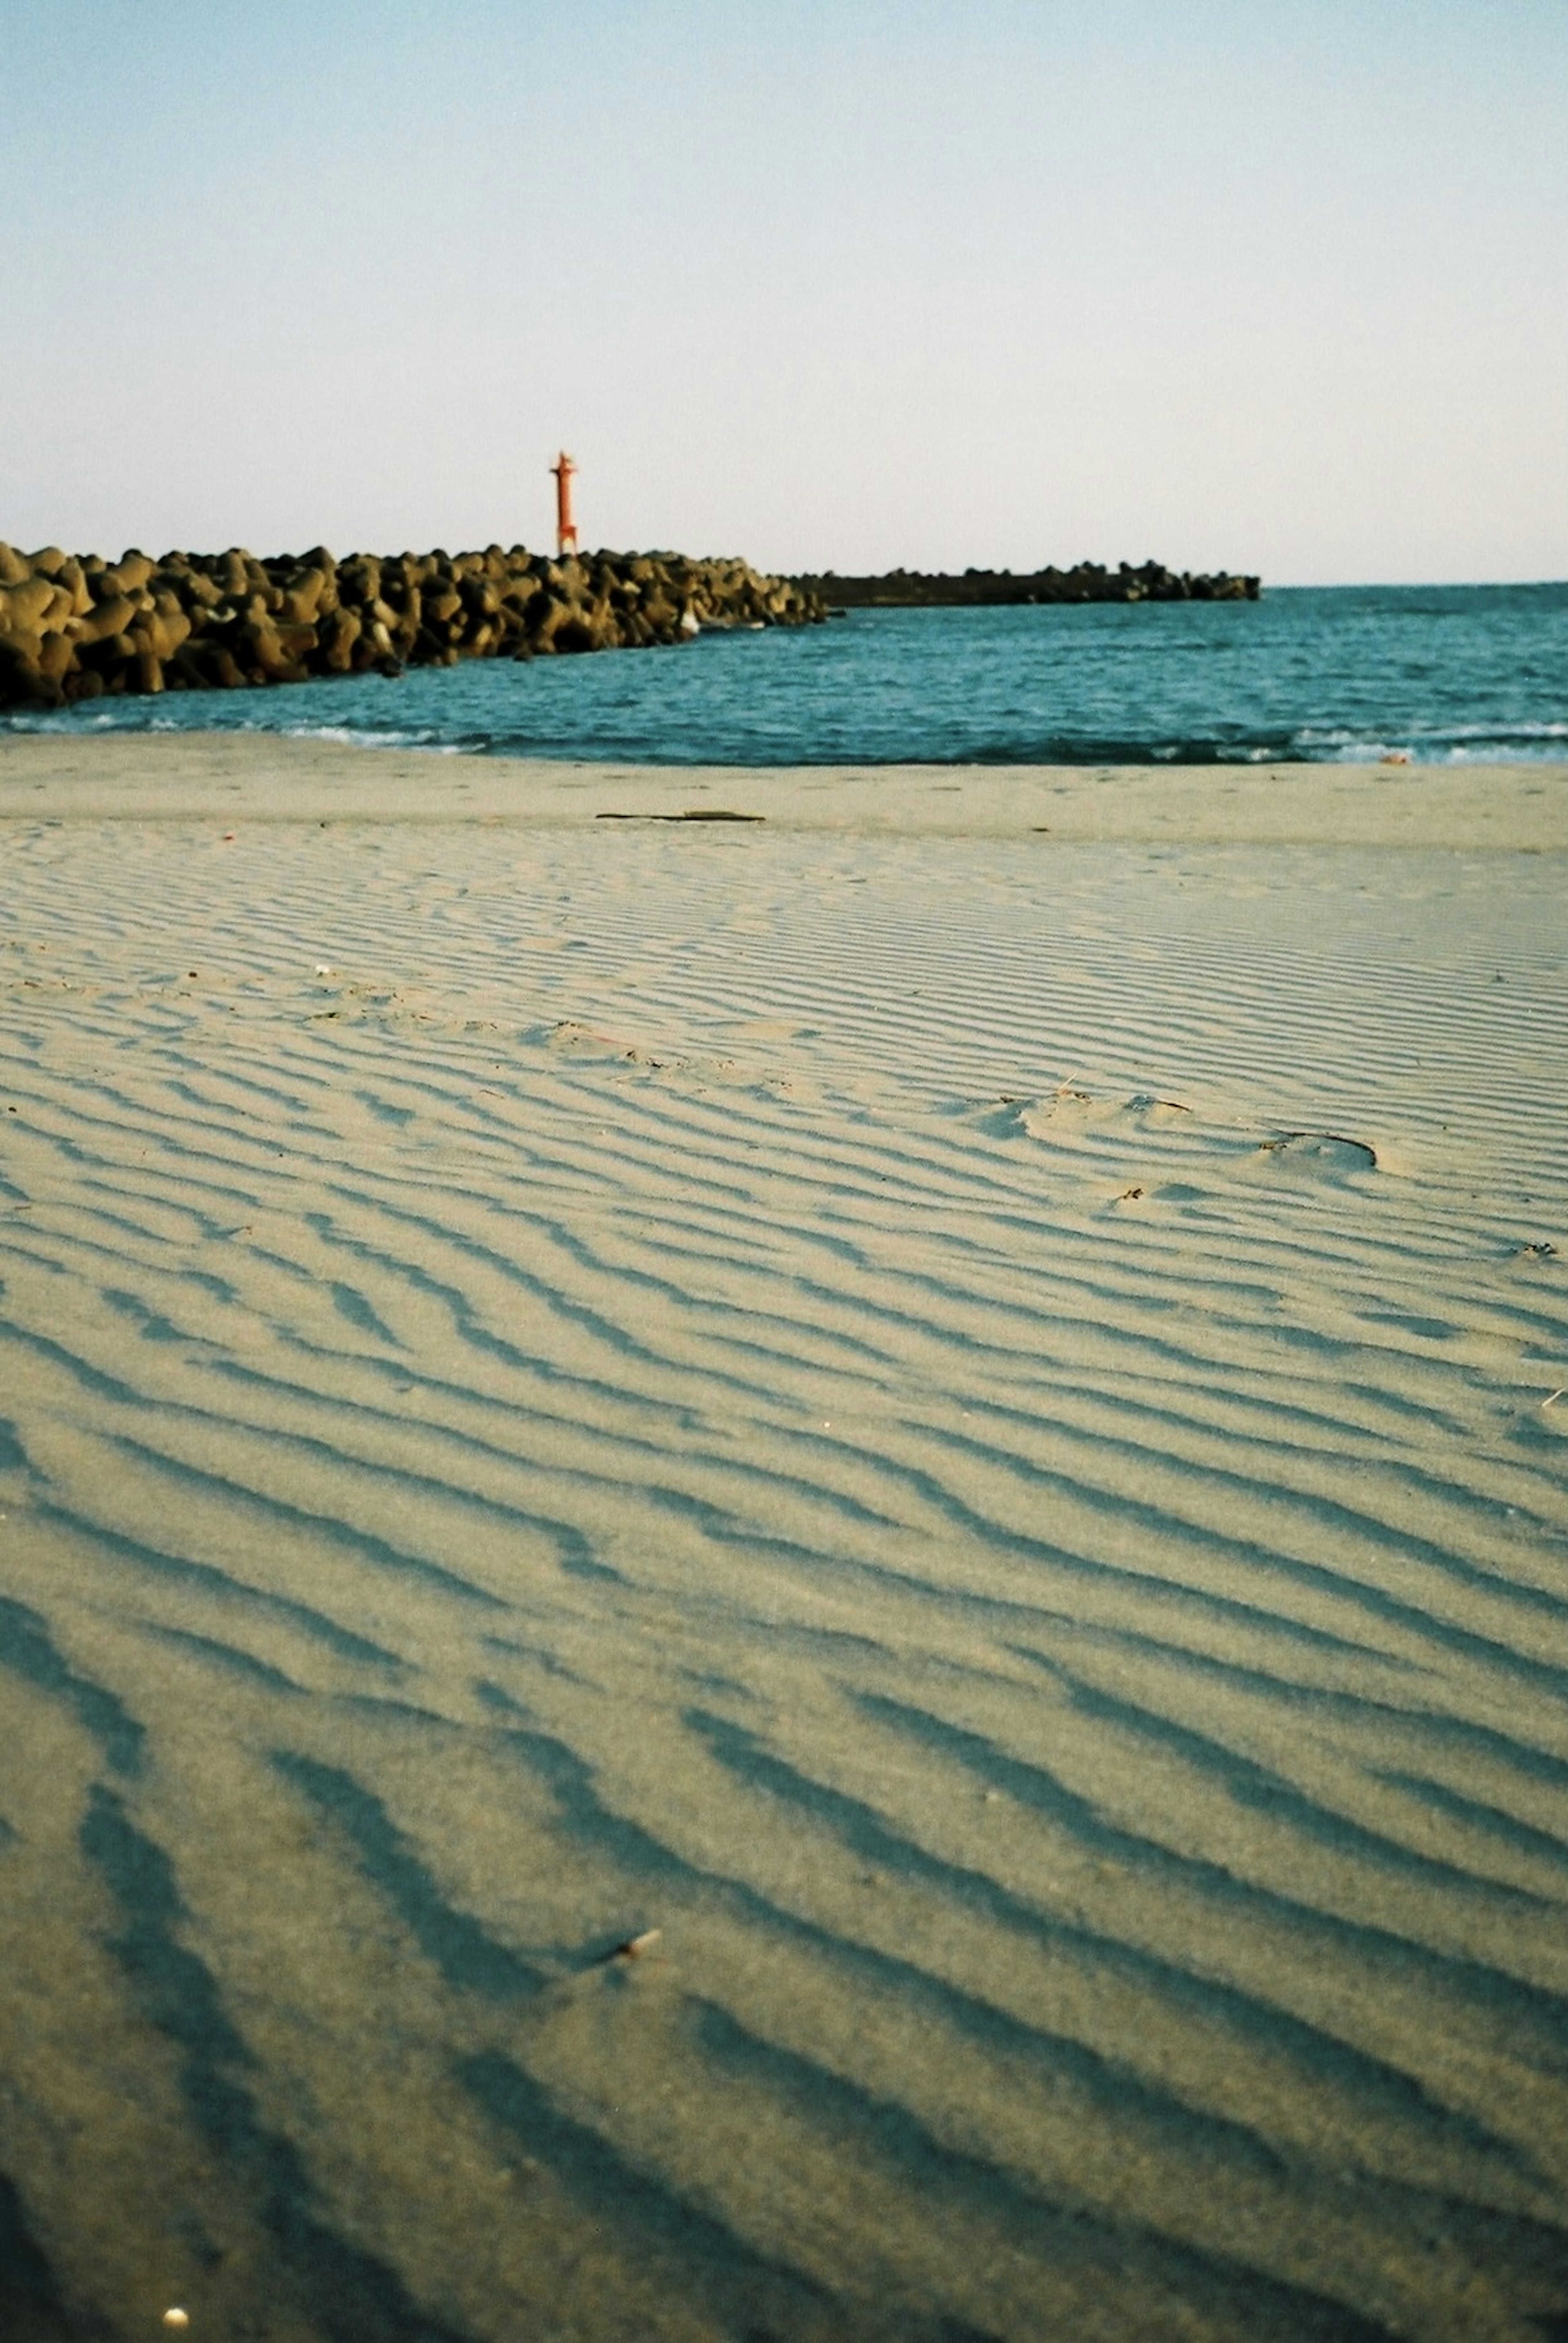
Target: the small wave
(1535, 744)
(349, 735)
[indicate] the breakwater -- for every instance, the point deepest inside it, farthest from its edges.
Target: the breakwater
(1086, 581)
(76, 627)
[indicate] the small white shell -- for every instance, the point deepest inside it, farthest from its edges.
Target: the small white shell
(175, 2316)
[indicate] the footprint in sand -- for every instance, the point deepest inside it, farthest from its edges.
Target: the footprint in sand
(1299, 1160)
(1063, 1113)
(1309, 1155)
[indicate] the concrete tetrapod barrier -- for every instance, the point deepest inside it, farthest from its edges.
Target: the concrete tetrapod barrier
(75, 627)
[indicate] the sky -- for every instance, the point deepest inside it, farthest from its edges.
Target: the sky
(1266, 284)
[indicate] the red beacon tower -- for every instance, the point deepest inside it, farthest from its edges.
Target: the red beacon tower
(563, 472)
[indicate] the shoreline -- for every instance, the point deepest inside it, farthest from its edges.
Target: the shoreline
(196, 777)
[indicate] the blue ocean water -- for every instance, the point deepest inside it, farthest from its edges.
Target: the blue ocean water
(1313, 674)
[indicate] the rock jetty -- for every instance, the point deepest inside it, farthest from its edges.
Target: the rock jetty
(74, 626)
(1089, 581)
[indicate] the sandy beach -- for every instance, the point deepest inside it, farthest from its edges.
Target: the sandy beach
(801, 1576)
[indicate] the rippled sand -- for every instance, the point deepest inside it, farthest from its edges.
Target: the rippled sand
(947, 1400)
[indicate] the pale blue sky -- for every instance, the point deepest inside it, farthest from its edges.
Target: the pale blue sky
(1274, 284)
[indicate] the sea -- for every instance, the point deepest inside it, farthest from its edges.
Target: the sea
(1306, 674)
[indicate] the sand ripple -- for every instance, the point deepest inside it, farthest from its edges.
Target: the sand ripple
(966, 1437)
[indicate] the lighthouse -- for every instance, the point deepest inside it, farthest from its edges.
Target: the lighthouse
(563, 470)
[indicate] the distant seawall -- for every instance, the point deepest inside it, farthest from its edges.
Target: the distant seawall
(1089, 581)
(75, 628)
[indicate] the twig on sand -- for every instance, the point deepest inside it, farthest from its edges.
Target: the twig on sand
(632, 1948)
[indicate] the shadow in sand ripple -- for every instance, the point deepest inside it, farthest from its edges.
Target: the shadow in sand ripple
(81, 1371)
(1542, 2012)
(1162, 2119)
(1175, 1590)
(570, 1783)
(1250, 1785)
(1248, 2017)
(1492, 1822)
(1303, 1509)
(31, 2310)
(260, 1673)
(705, 2261)
(28, 1650)
(1246, 1782)
(349, 2294)
(220, 1584)
(1441, 1730)
(467, 1956)
(958, 2190)
(573, 1551)
(1484, 1988)
(330, 1528)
